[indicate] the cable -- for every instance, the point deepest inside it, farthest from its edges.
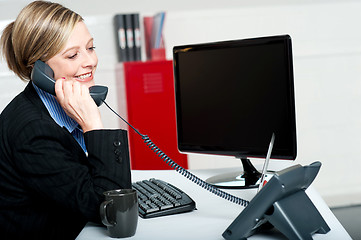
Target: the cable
(182, 170)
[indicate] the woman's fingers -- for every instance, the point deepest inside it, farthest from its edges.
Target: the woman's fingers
(76, 101)
(59, 89)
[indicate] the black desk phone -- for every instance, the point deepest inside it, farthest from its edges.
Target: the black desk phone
(43, 77)
(283, 204)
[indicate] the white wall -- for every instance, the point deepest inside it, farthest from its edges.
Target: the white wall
(327, 70)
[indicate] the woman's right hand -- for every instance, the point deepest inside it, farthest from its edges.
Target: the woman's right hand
(76, 101)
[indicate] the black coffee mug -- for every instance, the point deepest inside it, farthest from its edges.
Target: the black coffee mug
(119, 212)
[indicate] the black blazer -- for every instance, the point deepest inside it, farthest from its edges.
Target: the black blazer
(49, 188)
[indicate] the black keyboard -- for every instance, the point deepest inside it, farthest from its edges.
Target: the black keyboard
(159, 198)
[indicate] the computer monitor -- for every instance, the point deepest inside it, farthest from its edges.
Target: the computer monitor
(231, 96)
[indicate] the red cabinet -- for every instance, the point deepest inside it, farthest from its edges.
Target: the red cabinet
(146, 98)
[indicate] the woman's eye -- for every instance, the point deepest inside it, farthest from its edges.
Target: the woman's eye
(92, 48)
(73, 56)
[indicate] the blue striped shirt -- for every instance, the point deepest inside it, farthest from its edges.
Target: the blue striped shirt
(60, 117)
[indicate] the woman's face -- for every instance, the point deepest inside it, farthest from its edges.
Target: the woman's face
(78, 60)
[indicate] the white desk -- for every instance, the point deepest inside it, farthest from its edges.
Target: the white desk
(212, 217)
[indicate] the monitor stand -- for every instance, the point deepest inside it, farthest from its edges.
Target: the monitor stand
(237, 180)
(250, 178)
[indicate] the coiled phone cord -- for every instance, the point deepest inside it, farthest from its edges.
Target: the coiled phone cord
(182, 170)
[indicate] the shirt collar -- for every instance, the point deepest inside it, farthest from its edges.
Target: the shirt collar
(56, 111)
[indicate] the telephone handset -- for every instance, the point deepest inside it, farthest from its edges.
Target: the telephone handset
(43, 77)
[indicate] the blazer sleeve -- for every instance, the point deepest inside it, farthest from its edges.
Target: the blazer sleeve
(108, 154)
(53, 167)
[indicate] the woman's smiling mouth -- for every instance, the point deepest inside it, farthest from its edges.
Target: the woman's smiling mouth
(85, 77)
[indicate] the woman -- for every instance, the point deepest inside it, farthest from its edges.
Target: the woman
(56, 159)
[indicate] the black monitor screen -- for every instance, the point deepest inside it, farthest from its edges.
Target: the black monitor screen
(231, 96)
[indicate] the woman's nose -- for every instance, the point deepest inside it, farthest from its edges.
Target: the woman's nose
(90, 59)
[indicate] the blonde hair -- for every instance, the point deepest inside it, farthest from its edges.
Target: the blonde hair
(39, 32)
